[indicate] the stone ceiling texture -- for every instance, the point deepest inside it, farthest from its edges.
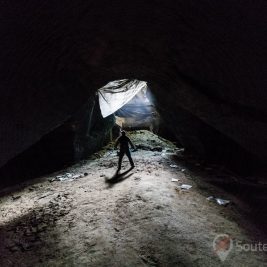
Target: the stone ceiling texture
(204, 60)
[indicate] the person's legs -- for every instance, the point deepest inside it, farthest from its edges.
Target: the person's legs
(128, 154)
(121, 154)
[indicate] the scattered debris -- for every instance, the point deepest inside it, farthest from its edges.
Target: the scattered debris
(174, 166)
(222, 202)
(186, 186)
(68, 176)
(76, 176)
(219, 201)
(183, 187)
(210, 198)
(175, 180)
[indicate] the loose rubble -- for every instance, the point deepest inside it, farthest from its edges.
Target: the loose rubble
(219, 201)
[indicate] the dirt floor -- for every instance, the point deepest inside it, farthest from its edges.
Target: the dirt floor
(85, 216)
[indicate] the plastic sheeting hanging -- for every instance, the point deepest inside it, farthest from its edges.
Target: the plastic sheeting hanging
(116, 94)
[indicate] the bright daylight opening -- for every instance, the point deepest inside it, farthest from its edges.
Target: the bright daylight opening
(132, 104)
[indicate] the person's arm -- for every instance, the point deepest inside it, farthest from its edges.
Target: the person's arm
(116, 143)
(131, 144)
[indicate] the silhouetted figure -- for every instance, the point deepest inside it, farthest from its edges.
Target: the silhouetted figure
(124, 142)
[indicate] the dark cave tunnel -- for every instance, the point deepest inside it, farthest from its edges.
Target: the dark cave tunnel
(204, 62)
(86, 131)
(195, 91)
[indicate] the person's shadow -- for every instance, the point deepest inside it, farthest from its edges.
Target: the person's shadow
(118, 177)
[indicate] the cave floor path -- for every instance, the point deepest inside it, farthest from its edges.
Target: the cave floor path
(81, 218)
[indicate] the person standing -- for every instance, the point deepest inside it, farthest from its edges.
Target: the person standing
(124, 143)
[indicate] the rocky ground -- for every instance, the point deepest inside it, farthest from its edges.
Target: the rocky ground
(85, 216)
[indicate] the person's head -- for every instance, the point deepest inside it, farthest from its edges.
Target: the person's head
(123, 133)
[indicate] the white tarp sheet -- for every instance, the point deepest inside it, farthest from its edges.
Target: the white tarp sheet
(116, 94)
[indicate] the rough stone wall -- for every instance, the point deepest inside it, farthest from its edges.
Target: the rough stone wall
(207, 58)
(76, 139)
(92, 130)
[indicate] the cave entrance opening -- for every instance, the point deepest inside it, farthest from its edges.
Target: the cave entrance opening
(132, 103)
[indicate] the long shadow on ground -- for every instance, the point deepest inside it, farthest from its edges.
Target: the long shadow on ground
(118, 177)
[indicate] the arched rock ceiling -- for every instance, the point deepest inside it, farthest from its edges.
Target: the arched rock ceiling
(205, 57)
